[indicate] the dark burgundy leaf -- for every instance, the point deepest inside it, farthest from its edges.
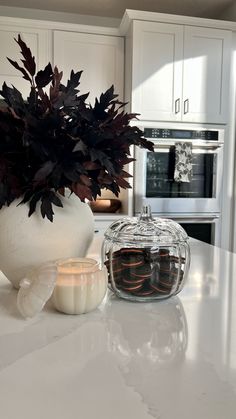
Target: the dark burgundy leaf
(43, 77)
(44, 171)
(23, 71)
(73, 171)
(27, 197)
(68, 94)
(146, 144)
(122, 183)
(29, 60)
(61, 191)
(13, 98)
(83, 97)
(55, 199)
(90, 165)
(80, 146)
(96, 190)
(56, 176)
(104, 101)
(57, 76)
(45, 100)
(33, 202)
(114, 187)
(55, 86)
(32, 98)
(85, 180)
(103, 159)
(87, 114)
(126, 160)
(125, 174)
(65, 100)
(72, 174)
(46, 208)
(73, 81)
(104, 178)
(82, 191)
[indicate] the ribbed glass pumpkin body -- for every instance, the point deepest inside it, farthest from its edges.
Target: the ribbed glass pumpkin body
(147, 259)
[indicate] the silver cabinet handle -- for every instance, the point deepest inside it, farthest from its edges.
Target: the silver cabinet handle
(177, 105)
(186, 106)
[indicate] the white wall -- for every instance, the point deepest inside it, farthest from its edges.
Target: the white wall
(229, 13)
(58, 16)
(83, 11)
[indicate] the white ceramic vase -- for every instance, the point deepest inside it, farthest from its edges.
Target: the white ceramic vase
(28, 242)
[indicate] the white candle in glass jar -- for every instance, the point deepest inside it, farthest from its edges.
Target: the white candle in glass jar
(80, 287)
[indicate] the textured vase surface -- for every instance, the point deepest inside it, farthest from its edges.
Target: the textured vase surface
(28, 242)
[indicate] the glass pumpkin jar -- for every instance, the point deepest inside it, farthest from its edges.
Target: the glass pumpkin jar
(147, 258)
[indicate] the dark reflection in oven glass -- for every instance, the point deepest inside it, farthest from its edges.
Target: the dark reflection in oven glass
(160, 181)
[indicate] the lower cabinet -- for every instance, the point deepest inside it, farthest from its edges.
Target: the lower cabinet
(101, 225)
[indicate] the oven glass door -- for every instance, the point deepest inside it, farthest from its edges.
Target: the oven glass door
(155, 185)
(160, 181)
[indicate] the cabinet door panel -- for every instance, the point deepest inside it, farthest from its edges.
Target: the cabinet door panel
(157, 71)
(36, 39)
(206, 74)
(99, 56)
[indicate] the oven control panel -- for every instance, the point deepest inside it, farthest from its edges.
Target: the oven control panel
(181, 134)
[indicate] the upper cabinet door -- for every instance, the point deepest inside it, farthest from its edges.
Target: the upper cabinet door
(101, 57)
(206, 74)
(39, 42)
(157, 70)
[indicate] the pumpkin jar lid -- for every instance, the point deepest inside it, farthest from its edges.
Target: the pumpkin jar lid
(146, 230)
(36, 289)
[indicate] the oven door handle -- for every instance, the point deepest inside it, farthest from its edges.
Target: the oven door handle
(198, 145)
(163, 148)
(194, 150)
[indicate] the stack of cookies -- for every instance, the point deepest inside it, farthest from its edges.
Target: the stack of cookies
(144, 272)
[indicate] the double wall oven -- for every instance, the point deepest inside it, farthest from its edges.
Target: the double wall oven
(195, 204)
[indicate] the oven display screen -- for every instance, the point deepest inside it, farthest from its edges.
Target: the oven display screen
(181, 134)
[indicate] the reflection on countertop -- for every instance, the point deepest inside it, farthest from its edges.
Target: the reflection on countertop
(156, 335)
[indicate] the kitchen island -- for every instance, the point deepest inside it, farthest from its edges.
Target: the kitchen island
(174, 359)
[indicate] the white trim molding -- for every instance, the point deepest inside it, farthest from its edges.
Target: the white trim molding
(130, 15)
(50, 25)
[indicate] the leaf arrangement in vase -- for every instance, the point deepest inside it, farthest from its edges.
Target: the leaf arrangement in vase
(56, 140)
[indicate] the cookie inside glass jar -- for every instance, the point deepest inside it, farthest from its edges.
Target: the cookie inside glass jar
(143, 272)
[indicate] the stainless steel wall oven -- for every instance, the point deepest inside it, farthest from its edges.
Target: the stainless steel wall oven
(154, 181)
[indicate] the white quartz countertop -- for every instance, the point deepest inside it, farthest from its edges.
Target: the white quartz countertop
(174, 359)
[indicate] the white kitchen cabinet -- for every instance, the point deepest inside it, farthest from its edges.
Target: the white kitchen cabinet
(157, 70)
(39, 42)
(101, 57)
(180, 73)
(205, 74)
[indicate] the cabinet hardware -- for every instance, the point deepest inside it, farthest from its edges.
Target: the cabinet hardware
(186, 106)
(177, 105)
